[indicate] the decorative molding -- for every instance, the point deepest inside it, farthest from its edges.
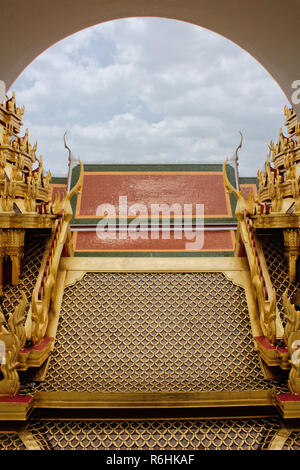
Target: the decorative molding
(144, 400)
(294, 353)
(288, 405)
(36, 355)
(273, 356)
(72, 277)
(292, 317)
(15, 408)
(276, 221)
(237, 278)
(166, 264)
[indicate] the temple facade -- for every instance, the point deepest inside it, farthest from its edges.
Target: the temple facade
(148, 306)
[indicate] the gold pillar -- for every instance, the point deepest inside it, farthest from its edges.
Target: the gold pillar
(3, 240)
(1, 273)
(292, 250)
(12, 245)
(15, 269)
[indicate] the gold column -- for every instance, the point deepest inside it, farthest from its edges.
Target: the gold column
(2, 253)
(1, 274)
(292, 250)
(15, 250)
(15, 269)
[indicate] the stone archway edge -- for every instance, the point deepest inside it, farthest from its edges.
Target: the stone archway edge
(267, 29)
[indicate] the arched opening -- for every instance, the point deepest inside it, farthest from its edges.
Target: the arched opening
(149, 90)
(254, 26)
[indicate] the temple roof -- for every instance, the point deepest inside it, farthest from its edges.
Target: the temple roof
(148, 184)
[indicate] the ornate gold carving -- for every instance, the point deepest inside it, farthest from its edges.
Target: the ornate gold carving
(242, 205)
(44, 291)
(41, 296)
(292, 340)
(13, 337)
(265, 295)
(294, 352)
(292, 317)
(273, 356)
(35, 357)
(16, 321)
(22, 188)
(64, 203)
(292, 250)
(12, 246)
(279, 185)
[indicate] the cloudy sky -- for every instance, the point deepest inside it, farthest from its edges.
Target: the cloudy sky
(149, 91)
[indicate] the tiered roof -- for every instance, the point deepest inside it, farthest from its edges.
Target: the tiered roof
(279, 185)
(23, 188)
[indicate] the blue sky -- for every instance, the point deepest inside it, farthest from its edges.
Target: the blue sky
(149, 90)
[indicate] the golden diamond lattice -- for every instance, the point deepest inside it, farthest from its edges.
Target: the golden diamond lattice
(278, 268)
(293, 441)
(11, 442)
(221, 434)
(34, 250)
(123, 332)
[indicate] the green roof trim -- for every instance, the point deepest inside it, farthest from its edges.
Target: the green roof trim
(149, 167)
(183, 167)
(249, 180)
(58, 180)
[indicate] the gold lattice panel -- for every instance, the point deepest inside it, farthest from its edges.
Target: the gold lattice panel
(11, 442)
(224, 434)
(278, 267)
(154, 332)
(34, 250)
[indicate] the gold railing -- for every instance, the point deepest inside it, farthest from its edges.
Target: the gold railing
(265, 293)
(42, 292)
(292, 341)
(12, 339)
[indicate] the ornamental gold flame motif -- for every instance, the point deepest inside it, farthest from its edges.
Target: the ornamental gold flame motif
(28, 220)
(276, 209)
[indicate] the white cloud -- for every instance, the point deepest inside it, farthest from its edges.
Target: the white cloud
(149, 90)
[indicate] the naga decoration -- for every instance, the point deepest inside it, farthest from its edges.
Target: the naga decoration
(292, 341)
(242, 204)
(294, 352)
(266, 297)
(44, 290)
(279, 184)
(13, 338)
(63, 202)
(23, 189)
(26, 203)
